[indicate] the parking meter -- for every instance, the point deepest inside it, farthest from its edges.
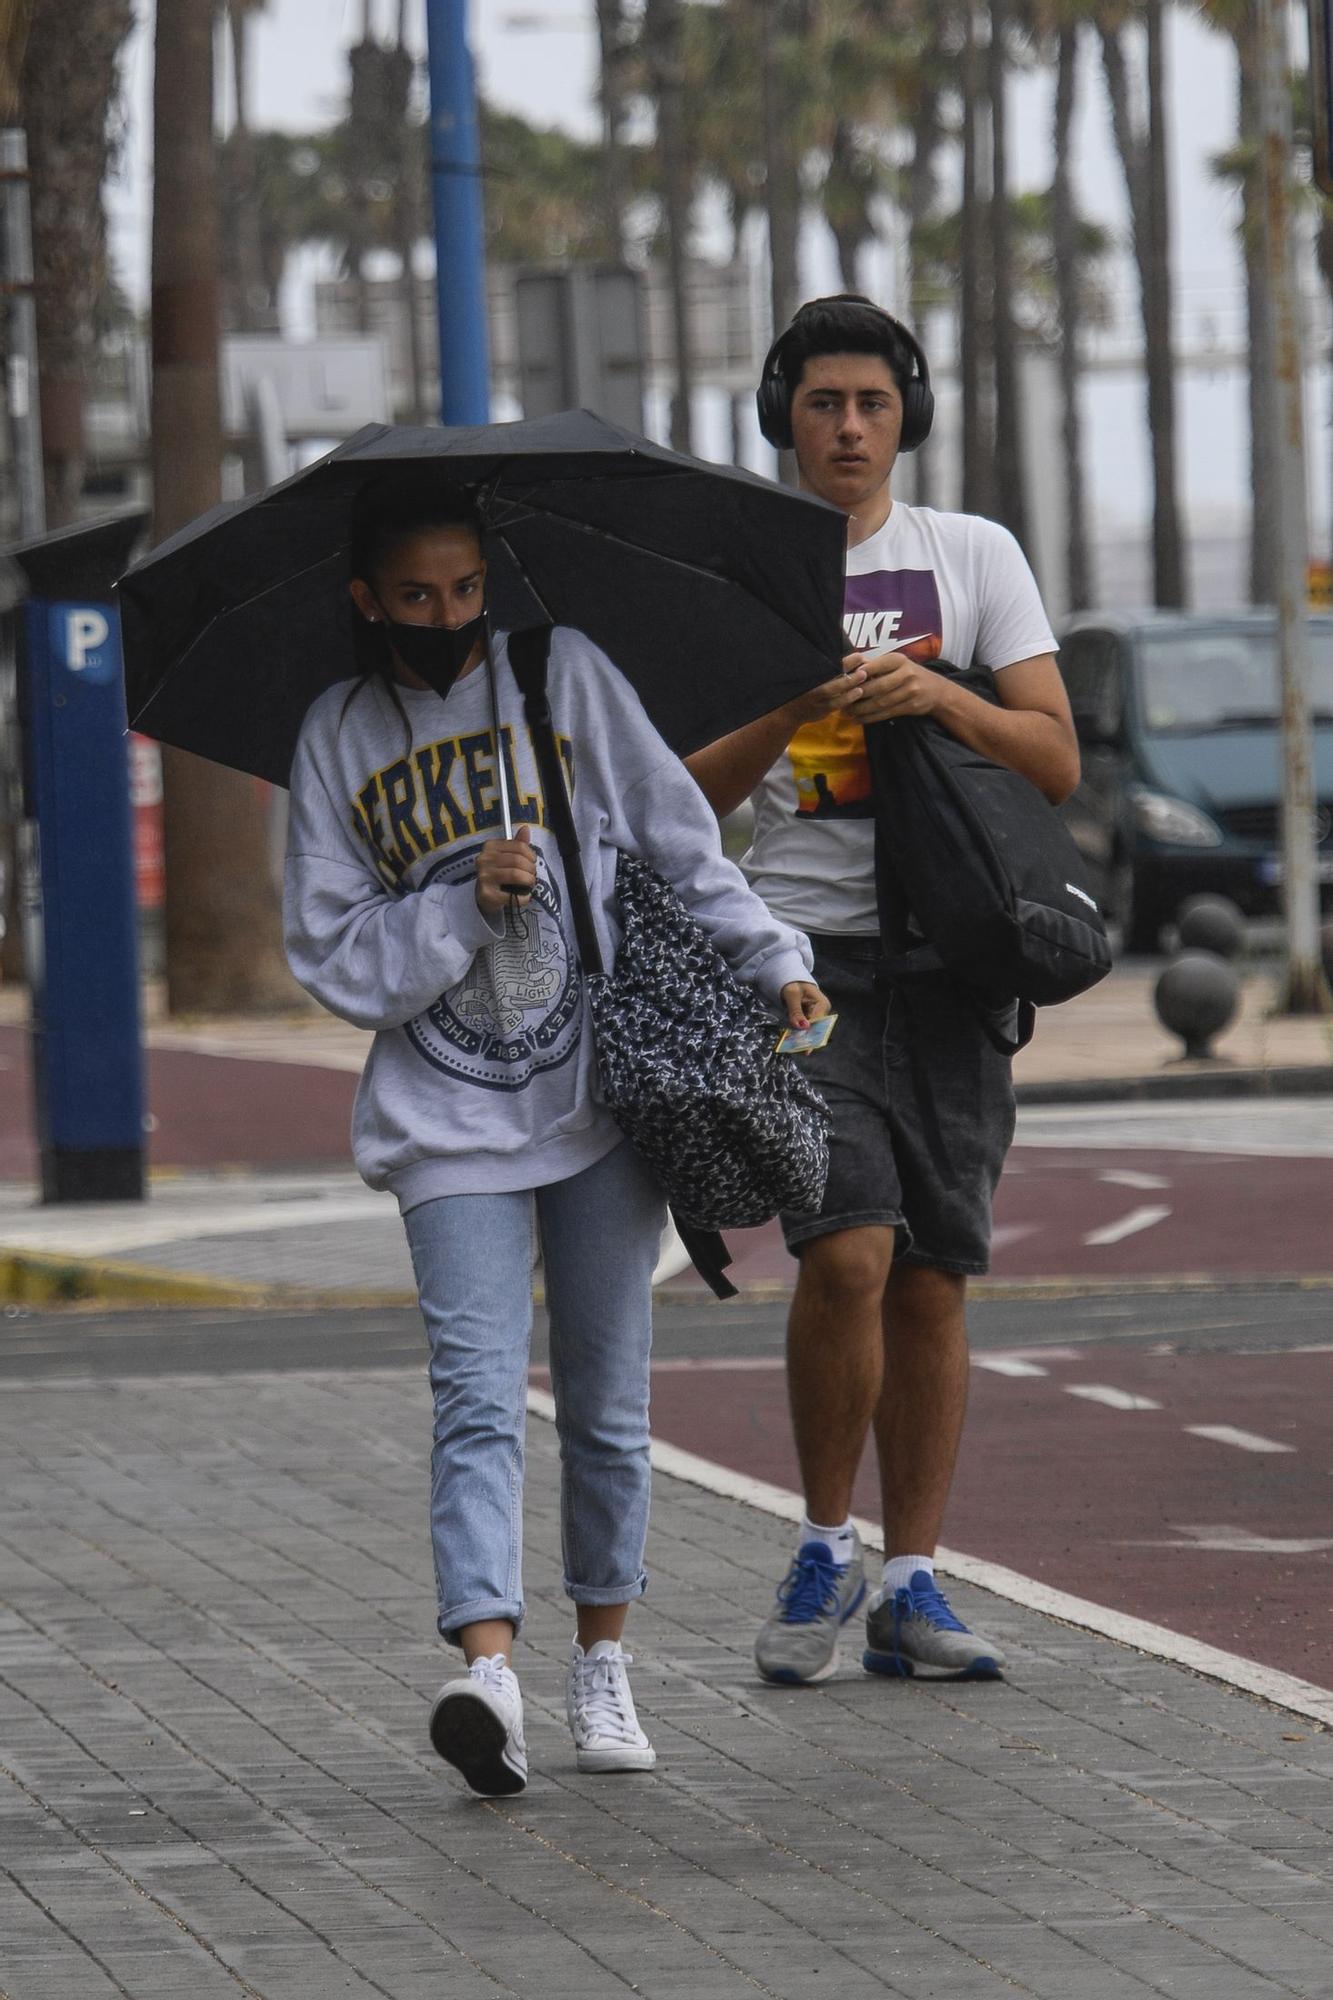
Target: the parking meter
(77, 866)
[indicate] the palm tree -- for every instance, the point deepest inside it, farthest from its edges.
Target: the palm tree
(14, 22)
(973, 320)
(933, 74)
(69, 84)
(224, 950)
(250, 304)
(663, 55)
(1010, 479)
(1143, 158)
(613, 94)
(1059, 24)
(1240, 164)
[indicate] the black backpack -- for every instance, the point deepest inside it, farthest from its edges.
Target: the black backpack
(977, 873)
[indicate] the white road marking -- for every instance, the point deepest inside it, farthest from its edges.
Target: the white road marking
(1007, 1364)
(1128, 1225)
(1011, 1232)
(1239, 1541)
(1285, 1690)
(1128, 1177)
(1114, 1399)
(110, 1237)
(1286, 1127)
(1228, 1434)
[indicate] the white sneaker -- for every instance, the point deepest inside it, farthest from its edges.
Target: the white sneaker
(477, 1726)
(601, 1714)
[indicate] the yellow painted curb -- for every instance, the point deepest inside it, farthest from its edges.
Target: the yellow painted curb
(36, 1278)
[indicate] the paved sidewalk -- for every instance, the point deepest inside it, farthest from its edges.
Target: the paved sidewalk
(1111, 1033)
(214, 1671)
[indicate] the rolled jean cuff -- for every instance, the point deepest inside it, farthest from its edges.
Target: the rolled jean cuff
(607, 1593)
(455, 1616)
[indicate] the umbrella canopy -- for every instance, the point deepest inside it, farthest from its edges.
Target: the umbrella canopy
(718, 594)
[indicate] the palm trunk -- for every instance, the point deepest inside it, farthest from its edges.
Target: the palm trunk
(1068, 285)
(1261, 387)
(1168, 551)
(782, 188)
(1011, 487)
(223, 945)
(402, 139)
(662, 36)
(250, 308)
(976, 439)
(927, 134)
(848, 230)
(69, 78)
(1144, 166)
(611, 102)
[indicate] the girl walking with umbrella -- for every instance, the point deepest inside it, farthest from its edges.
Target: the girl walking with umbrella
(408, 911)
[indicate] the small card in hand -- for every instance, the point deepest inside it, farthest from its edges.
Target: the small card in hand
(802, 1041)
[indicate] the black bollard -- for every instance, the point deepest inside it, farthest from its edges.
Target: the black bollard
(1211, 923)
(1196, 997)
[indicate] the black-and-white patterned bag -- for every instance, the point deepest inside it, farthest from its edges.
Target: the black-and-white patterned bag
(687, 1055)
(733, 1131)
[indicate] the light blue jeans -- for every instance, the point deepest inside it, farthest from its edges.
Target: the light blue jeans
(472, 1254)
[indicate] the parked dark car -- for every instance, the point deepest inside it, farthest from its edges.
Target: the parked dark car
(1178, 723)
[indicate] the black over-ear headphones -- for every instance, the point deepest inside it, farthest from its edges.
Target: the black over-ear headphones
(773, 396)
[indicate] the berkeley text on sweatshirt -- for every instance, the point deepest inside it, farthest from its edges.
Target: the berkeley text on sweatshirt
(482, 1076)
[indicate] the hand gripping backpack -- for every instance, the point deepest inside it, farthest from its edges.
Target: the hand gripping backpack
(977, 874)
(686, 1054)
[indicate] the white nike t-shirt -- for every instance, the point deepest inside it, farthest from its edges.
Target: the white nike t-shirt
(935, 586)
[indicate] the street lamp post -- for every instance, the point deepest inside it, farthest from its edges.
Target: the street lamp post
(460, 256)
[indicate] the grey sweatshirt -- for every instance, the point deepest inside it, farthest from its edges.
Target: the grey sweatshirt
(482, 1076)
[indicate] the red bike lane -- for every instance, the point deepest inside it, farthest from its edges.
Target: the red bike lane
(1191, 1489)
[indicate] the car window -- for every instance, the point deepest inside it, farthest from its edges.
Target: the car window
(1094, 681)
(1220, 679)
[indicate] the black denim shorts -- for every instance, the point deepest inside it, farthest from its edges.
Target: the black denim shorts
(923, 1111)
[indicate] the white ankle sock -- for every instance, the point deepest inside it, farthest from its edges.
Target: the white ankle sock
(899, 1570)
(840, 1542)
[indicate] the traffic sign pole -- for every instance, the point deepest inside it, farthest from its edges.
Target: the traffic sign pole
(460, 254)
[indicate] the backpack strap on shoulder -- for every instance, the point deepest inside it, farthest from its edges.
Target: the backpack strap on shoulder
(529, 655)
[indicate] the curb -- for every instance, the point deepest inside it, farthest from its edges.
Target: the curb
(1294, 1080)
(34, 1279)
(30, 1278)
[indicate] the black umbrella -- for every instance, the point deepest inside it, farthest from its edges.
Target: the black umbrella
(718, 594)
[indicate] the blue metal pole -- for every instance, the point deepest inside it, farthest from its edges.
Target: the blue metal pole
(460, 257)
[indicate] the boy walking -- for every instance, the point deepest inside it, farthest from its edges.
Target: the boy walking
(922, 1102)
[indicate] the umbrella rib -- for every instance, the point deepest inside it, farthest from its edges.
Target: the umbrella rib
(620, 541)
(225, 611)
(624, 542)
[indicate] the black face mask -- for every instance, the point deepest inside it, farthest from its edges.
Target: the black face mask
(438, 653)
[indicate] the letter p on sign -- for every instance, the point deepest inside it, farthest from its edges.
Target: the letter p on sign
(86, 632)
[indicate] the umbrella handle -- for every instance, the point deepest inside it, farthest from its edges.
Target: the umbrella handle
(506, 812)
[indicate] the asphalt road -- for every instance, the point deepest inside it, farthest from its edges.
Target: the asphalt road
(1163, 1452)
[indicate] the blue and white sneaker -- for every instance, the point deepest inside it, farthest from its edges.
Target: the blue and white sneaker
(916, 1629)
(815, 1599)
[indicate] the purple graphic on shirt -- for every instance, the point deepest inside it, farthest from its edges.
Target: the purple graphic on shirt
(893, 610)
(885, 610)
